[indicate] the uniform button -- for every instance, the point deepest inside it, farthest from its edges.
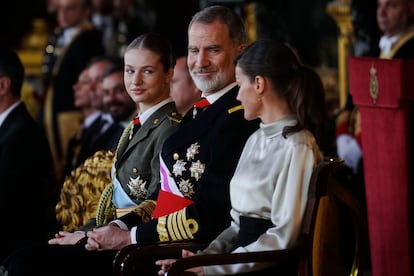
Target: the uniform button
(176, 156)
(135, 170)
(50, 49)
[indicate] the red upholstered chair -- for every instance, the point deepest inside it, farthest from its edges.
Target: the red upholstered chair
(319, 250)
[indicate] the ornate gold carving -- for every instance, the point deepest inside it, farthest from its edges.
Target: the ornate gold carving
(373, 84)
(340, 11)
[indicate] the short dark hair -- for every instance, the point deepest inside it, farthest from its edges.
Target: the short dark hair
(225, 15)
(12, 67)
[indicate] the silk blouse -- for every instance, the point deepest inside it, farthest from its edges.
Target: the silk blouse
(271, 182)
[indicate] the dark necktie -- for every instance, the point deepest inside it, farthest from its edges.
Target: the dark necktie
(136, 125)
(94, 130)
(200, 105)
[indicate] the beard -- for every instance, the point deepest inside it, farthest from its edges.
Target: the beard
(211, 84)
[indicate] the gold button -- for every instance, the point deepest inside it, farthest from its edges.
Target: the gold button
(156, 121)
(176, 156)
(50, 49)
(135, 170)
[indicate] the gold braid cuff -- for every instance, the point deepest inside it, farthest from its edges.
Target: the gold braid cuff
(176, 226)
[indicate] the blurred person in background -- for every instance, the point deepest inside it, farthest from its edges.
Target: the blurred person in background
(27, 189)
(183, 90)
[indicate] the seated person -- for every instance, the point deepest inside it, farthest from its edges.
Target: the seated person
(28, 191)
(135, 171)
(83, 187)
(269, 188)
(183, 89)
(99, 129)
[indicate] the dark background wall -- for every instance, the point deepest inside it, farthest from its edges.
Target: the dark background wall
(302, 23)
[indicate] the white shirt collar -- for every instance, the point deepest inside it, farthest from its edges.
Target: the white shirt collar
(215, 96)
(145, 115)
(66, 36)
(386, 42)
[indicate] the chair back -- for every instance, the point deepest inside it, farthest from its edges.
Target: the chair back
(319, 249)
(340, 243)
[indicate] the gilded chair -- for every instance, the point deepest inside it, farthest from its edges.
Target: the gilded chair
(333, 218)
(82, 189)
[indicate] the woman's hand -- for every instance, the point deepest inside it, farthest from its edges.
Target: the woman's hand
(63, 237)
(166, 264)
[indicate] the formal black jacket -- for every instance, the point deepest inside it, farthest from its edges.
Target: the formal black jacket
(84, 145)
(27, 191)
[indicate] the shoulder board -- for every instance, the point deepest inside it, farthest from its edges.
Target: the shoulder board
(234, 109)
(175, 117)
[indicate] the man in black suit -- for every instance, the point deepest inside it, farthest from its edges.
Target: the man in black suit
(99, 130)
(27, 191)
(75, 42)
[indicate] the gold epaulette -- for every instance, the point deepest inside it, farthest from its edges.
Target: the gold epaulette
(175, 117)
(234, 109)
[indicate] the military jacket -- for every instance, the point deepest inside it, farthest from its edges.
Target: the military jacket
(137, 159)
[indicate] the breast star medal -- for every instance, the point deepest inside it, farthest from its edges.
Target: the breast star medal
(137, 187)
(186, 188)
(179, 167)
(192, 151)
(197, 169)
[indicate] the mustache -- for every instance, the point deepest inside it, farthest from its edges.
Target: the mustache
(204, 70)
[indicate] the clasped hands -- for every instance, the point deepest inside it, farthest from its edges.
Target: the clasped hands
(108, 237)
(111, 237)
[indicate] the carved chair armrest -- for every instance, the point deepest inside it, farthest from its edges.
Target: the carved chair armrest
(272, 256)
(141, 257)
